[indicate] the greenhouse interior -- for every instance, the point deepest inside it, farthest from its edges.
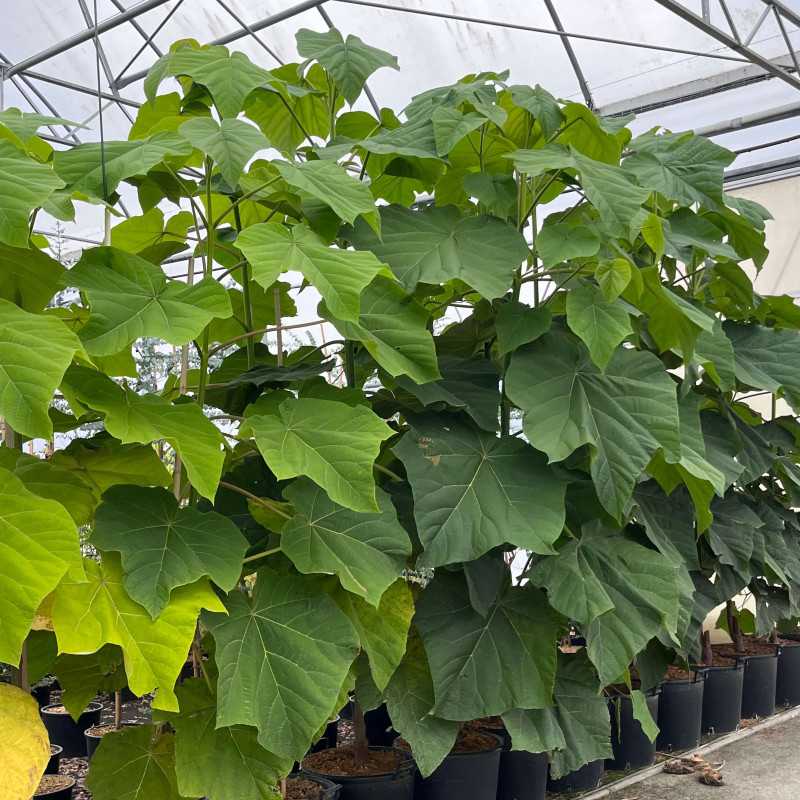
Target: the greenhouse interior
(399, 399)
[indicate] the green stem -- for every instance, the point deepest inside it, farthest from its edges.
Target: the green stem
(262, 501)
(246, 299)
(349, 364)
(262, 554)
(234, 206)
(386, 471)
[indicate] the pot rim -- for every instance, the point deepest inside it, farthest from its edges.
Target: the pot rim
(93, 706)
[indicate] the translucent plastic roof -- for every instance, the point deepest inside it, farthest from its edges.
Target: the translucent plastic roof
(725, 67)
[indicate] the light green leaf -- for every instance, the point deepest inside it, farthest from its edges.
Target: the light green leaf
(618, 591)
(543, 159)
(95, 611)
(563, 242)
(25, 124)
(541, 105)
(409, 699)
(383, 630)
(81, 167)
(282, 657)
(25, 184)
(132, 417)
(518, 324)
(450, 126)
(131, 298)
(713, 350)
(681, 166)
(348, 61)
(439, 244)
(653, 233)
(163, 546)
(35, 351)
(393, 329)
(231, 143)
(496, 192)
(23, 738)
(39, 545)
(685, 232)
(367, 551)
(340, 276)
(624, 414)
(332, 443)
(602, 325)
(516, 640)
(135, 763)
(229, 77)
(28, 277)
(474, 491)
(767, 358)
(613, 277)
(220, 763)
(330, 183)
(414, 138)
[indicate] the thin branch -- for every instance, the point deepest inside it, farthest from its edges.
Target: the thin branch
(262, 501)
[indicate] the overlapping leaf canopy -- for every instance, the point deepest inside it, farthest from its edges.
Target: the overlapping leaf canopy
(506, 378)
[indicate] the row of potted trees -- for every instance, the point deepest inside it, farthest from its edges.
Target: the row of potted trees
(573, 386)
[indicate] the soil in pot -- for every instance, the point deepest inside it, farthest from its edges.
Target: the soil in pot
(680, 710)
(587, 777)
(493, 725)
(55, 787)
(304, 787)
(631, 746)
(722, 697)
(787, 691)
(472, 769)
(386, 773)
(55, 760)
(65, 731)
(760, 674)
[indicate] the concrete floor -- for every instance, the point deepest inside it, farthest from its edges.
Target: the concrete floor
(764, 766)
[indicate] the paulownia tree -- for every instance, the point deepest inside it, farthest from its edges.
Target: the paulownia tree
(547, 336)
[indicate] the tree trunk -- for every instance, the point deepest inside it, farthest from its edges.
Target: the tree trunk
(117, 710)
(733, 625)
(361, 747)
(708, 653)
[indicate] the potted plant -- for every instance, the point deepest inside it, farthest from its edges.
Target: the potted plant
(68, 731)
(55, 787)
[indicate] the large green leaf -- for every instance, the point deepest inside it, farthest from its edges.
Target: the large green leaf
(97, 169)
(132, 417)
(474, 491)
(618, 591)
(440, 244)
(409, 699)
(328, 182)
(135, 763)
(230, 143)
(340, 276)
(131, 297)
(35, 351)
(383, 630)
(534, 730)
(81, 677)
(348, 61)
(25, 184)
(518, 324)
(163, 546)
(685, 232)
(732, 533)
(669, 523)
(24, 740)
(562, 242)
(229, 77)
(95, 611)
(367, 551)
(681, 166)
(541, 105)
(602, 325)
(582, 713)
(39, 545)
(393, 329)
(220, 763)
(282, 657)
(767, 358)
(624, 414)
(486, 666)
(28, 278)
(332, 443)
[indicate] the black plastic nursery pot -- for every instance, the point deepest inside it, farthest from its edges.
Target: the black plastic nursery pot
(680, 713)
(760, 685)
(55, 760)
(722, 698)
(65, 731)
(587, 777)
(396, 785)
(787, 686)
(330, 790)
(329, 739)
(378, 724)
(474, 775)
(523, 776)
(631, 746)
(42, 694)
(55, 787)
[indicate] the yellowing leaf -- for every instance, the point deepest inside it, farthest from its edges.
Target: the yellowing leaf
(23, 743)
